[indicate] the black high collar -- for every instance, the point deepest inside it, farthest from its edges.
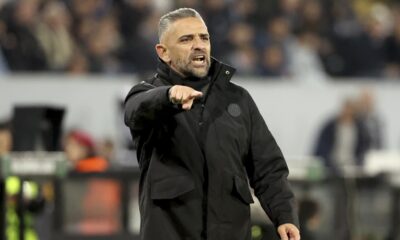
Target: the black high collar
(166, 73)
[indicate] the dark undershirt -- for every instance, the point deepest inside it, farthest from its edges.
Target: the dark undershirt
(196, 83)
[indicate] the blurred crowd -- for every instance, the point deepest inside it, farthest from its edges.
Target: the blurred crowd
(305, 39)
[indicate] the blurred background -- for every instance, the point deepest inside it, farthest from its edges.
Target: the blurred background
(325, 74)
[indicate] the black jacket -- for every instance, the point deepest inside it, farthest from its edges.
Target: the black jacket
(195, 164)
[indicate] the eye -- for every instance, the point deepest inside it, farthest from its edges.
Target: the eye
(205, 38)
(185, 39)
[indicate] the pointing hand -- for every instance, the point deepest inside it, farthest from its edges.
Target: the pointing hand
(184, 95)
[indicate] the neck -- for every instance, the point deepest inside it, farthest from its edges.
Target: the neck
(176, 71)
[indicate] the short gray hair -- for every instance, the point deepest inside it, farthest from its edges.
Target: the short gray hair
(180, 13)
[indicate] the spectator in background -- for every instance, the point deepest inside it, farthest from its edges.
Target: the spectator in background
(82, 29)
(148, 29)
(3, 62)
(241, 35)
(368, 52)
(102, 46)
(344, 21)
(217, 13)
(273, 61)
(359, 41)
(246, 60)
(131, 14)
(305, 64)
(275, 40)
(138, 44)
(243, 55)
(264, 11)
(80, 151)
(311, 12)
(89, 9)
(53, 33)
(95, 27)
(392, 51)
(79, 63)
(289, 10)
(278, 31)
(344, 29)
(20, 46)
(244, 11)
(340, 141)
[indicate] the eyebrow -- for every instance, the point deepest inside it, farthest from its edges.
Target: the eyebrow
(191, 35)
(204, 35)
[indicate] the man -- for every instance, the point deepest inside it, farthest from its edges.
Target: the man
(340, 143)
(199, 138)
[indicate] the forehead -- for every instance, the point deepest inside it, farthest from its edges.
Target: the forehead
(187, 26)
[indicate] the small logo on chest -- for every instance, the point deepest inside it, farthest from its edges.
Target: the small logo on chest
(234, 110)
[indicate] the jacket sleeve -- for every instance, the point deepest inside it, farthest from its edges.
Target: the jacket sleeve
(268, 171)
(146, 104)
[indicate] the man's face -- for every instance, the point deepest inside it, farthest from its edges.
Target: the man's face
(185, 47)
(75, 151)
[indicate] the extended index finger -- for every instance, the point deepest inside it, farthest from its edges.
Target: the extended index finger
(196, 94)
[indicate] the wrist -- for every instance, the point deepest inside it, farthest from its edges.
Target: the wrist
(169, 95)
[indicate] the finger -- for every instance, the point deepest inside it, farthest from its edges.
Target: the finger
(297, 236)
(294, 234)
(187, 105)
(178, 96)
(282, 234)
(196, 94)
(185, 97)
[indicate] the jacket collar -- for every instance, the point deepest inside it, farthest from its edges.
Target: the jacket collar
(219, 72)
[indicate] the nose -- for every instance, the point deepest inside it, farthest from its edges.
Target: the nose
(199, 44)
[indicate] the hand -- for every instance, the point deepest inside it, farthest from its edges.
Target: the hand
(183, 95)
(288, 231)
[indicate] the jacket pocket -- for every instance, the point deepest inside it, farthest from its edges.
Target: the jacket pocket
(171, 187)
(242, 190)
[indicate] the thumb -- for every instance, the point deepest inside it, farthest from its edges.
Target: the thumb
(196, 94)
(187, 105)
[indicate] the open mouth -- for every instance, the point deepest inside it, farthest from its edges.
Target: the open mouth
(199, 59)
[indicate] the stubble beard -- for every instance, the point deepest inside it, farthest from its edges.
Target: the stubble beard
(187, 70)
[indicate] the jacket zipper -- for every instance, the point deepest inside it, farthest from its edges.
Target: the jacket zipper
(205, 167)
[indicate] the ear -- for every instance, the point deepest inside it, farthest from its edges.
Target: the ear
(162, 52)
